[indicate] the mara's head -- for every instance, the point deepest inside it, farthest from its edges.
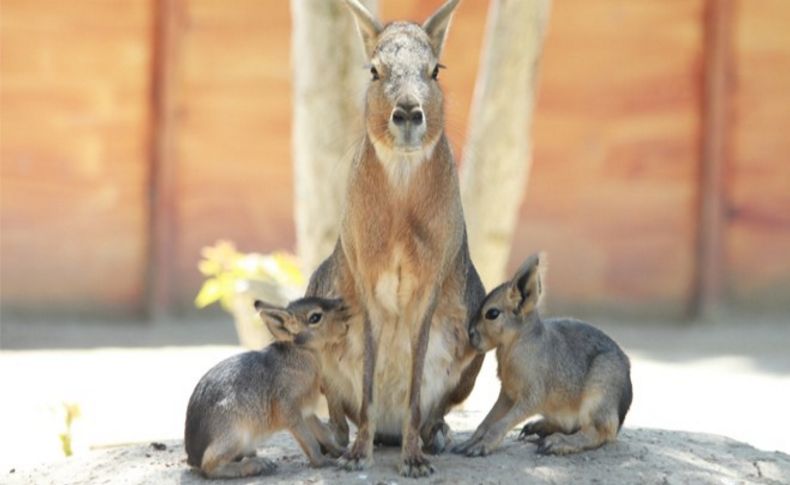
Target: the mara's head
(310, 322)
(404, 108)
(510, 307)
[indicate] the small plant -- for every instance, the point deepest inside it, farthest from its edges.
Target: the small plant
(229, 272)
(72, 412)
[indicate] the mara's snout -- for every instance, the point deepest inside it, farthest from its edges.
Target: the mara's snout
(302, 338)
(407, 124)
(474, 339)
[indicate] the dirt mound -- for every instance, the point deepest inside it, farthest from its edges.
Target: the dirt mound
(640, 456)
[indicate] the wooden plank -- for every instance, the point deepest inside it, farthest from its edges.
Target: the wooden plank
(715, 125)
(232, 147)
(758, 185)
(165, 69)
(613, 192)
(74, 173)
(613, 196)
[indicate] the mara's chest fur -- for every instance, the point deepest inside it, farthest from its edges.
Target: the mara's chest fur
(513, 371)
(403, 220)
(395, 284)
(401, 237)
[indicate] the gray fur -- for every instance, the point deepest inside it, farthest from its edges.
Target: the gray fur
(567, 371)
(245, 398)
(238, 389)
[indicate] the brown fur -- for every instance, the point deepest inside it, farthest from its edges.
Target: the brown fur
(402, 261)
(569, 377)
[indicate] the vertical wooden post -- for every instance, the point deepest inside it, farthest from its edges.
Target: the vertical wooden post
(162, 228)
(498, 152)
(715, 117)
(329, 81)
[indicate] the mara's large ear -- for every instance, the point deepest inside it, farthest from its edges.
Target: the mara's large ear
(369, 28)
(525, 290)
(275, 318)
(437, 25)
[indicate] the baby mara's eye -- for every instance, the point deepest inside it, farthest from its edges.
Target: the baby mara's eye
(314, 318)
(492, 314)
(374, 73)
(435, 73)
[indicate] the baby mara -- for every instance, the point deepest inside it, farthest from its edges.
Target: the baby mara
(569, 377)
(247, 397)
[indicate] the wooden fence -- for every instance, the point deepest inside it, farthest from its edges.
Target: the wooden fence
(135, 132)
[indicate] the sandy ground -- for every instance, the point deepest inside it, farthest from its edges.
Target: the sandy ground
(132, 384)
(641, 456)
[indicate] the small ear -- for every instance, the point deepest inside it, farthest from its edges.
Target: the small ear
(275, 319)
(438, 24)
(336, 304)
(367, 25)
(339, 306)
(525, 290)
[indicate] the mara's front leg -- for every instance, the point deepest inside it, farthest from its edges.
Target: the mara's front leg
(413, 461)
(337, 417)
(360, 455)
(492, 437)
(500, 408)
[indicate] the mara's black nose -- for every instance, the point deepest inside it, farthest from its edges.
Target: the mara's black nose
(407, 112)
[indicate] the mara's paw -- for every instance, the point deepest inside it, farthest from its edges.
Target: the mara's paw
(257, 465)
(354, 459)
(460, 448)
(527, 431)
(438, 439)
(416, 465)
(481, 448)
(532, 432)
(557, 444)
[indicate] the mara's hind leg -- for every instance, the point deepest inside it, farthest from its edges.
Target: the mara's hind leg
(538, 428)
(588, 437)
(436, 432)
(598, 416)
(220, 461)
(247, 454)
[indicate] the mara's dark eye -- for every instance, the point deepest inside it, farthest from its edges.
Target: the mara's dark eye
(492, 314)
(435, 73)
(314, 318)
(374, 73)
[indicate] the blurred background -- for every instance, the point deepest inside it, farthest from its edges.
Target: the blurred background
(135, 133)
(615, 196)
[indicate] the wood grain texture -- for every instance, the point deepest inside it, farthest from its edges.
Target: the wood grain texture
(758, 183)
(612, 194)
(232, 145)
(716, 123)
(74, 161)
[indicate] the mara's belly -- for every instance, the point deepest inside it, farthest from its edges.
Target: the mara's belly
(395, 320)
(441, 374)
